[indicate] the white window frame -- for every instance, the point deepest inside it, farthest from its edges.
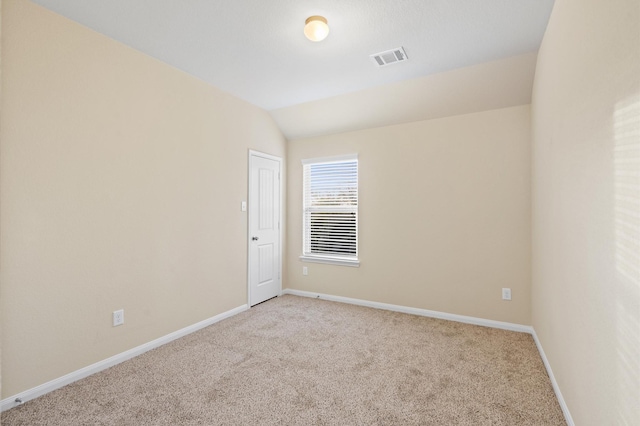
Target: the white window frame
(352, 261)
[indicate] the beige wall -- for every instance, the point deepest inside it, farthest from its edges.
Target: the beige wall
(586, 207)
(121, 182)
(444, 215)
(0, 200)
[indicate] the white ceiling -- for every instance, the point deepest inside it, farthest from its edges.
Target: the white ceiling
(256, 50)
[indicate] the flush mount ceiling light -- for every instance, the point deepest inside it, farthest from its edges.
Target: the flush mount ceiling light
(316, 28)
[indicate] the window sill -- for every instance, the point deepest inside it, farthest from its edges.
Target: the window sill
(354, 263)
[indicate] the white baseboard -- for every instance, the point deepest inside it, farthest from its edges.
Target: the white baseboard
(52, 385)
(450, 317)
(415, 311)
(556, 388)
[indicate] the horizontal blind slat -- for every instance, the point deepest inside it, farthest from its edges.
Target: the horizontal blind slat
(330, 200)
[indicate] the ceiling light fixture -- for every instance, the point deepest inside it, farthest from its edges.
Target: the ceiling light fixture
(316, 28)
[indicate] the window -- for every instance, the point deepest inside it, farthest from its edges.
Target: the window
(330, 210)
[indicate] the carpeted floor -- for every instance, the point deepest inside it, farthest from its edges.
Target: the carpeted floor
(300, 361)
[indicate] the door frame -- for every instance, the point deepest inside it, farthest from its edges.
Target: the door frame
(253, 154)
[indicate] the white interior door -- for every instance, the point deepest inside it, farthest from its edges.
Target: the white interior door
(264, 227)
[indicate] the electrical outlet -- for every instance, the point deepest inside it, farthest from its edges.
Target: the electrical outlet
(118, 317)
(506, 294)
(305, 271)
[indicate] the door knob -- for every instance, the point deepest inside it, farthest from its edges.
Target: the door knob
(254, 238)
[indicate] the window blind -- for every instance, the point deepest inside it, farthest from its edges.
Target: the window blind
(331, 208)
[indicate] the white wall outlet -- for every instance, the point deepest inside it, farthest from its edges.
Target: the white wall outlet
(305, 270)
(118, 317)
(243, 206)
(506, 294)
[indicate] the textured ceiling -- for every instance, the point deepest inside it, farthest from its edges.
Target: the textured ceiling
(256, 50)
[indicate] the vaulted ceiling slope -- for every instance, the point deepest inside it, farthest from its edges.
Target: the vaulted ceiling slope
(256, 50)
(492, 85)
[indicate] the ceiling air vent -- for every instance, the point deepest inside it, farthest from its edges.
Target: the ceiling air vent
(389, 57)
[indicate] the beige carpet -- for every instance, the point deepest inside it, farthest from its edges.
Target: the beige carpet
(302, 361)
